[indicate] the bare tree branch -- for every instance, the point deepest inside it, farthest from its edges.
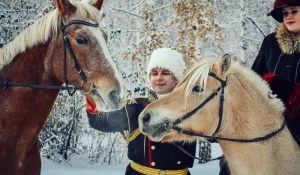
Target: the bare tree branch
(137, 5)
(163, 7)
(135, 31)
(126, 11)
(253, 22)
(242, 36)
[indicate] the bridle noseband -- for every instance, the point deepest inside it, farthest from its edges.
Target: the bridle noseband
(71, 89)
(172, 125)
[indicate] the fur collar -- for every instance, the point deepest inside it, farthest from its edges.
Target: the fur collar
(288, 42)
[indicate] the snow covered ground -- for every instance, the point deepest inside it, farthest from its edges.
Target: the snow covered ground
(80, 166)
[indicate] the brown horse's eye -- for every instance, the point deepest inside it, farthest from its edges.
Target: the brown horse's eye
(81, 40)
(197, 89)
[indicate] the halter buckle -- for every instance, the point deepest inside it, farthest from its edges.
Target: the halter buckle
(5, 84)
(73, 87)
(90, 87)
(168, 126)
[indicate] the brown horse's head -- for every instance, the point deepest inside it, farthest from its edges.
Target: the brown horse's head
(244, 92)
(89, 44)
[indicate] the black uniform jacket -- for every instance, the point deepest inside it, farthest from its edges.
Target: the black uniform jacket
(141, 150)
(273, 59)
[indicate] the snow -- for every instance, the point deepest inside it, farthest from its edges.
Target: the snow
(80, 166)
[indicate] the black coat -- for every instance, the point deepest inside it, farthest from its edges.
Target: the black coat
(271, 55)
(271, 59)
(141, 150)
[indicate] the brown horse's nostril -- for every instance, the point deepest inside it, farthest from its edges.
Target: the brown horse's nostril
(146, 118)
(115, 98)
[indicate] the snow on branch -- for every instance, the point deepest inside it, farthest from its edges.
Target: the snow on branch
(253, 22)
(242, 36)
(165, 6)
(126, 11)
(137, 5)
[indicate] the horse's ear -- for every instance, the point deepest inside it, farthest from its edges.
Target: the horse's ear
(65, 8)
(221, 67)
(98, 4)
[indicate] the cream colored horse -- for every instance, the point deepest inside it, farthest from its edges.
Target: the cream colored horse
(248, 113)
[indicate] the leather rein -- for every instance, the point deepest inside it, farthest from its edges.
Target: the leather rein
(172, 125)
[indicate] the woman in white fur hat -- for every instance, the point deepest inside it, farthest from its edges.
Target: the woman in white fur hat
(165, 69)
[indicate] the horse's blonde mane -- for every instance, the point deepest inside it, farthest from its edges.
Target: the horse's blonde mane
(199, 73)
(42, 30)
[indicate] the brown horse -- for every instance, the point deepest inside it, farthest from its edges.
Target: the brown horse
(64, 46)
(246, 112)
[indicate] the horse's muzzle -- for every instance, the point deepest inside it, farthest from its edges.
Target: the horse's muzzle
(116, 100)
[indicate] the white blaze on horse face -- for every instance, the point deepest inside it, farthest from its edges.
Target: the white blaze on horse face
(99, 36)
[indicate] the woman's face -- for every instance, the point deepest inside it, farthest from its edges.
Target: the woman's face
(162, 81)
(291, 19)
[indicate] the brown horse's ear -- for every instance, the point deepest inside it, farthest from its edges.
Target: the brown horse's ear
(65, 8)
(221, 67)
(98, 4)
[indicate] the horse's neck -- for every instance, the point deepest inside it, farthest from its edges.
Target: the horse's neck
(24, 110)
(273, 156)
(248, 115)
(248, 110)
(27, 103)
(29, 67)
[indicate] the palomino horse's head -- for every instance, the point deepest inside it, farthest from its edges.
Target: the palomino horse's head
(243, 91)
(73, 49)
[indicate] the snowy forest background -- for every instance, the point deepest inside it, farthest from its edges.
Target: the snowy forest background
(197, 28)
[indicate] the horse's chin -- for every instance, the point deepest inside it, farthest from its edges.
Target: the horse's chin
(155, 139)
(154, 133)
(102, 104)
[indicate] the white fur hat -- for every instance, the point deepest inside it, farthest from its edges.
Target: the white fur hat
(167, 58)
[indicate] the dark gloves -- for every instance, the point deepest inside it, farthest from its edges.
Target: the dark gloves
(280, 86)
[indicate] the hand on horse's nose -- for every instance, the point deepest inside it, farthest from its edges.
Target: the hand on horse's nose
(146, 118)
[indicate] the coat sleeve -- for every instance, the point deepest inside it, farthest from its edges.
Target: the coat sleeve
(115, 121)
(259, 66)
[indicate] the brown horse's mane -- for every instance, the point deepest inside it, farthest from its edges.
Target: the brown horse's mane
(199, 75)
(43, 29)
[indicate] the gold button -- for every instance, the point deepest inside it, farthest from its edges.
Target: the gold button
(179, 162)
(153, 163)
(153, 147)
(162, 172)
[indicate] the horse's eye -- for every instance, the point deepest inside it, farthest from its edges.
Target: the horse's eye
(81, 40)
(197, 88)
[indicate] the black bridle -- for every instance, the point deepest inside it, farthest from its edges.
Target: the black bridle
(70, 88)
(171, 125)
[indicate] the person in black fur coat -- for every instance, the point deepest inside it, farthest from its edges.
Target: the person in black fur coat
(165, 69)
(278, 62)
